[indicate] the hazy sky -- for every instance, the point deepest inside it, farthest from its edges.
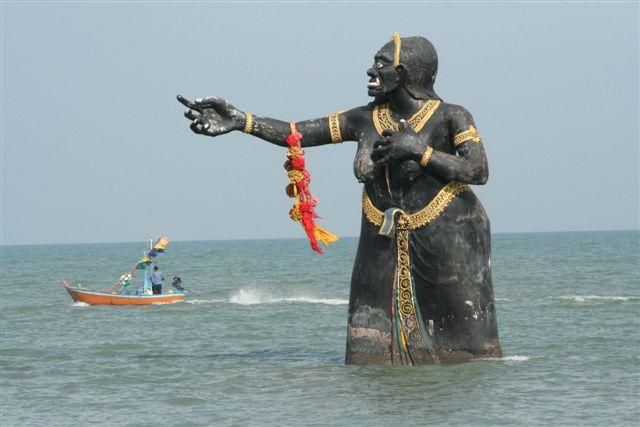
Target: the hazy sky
(95, 148)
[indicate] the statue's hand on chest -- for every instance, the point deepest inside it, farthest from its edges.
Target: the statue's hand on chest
(398, 146)
(402, 149)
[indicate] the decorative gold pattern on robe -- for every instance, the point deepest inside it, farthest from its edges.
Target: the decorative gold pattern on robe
(382, 119)
(425, 215)
(410, 325)
(413, 341)
(470, 134)
(334, 127)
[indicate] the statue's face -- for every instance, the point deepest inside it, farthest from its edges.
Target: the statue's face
(384, 78)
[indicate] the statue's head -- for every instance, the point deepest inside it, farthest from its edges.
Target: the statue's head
(411, 62)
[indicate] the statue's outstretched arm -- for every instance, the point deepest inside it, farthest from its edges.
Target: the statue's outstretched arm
(213, 116)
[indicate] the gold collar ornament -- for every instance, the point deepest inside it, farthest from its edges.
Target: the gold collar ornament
(382, 119)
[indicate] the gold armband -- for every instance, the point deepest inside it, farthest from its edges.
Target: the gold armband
(468, 135)
(334, 127)
(248, 123)
(426, 156)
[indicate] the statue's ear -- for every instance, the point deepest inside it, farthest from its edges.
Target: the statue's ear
(402, 71)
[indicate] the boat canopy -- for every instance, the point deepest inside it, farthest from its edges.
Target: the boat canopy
(157, 248)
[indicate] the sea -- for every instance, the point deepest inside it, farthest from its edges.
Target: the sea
(260, 340)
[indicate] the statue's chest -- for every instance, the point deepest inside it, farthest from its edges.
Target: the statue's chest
(428, 123)
(435, 134)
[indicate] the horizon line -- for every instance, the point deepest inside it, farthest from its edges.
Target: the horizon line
(303, 238)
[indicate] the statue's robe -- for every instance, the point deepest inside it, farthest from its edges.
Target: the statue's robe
(421, 288)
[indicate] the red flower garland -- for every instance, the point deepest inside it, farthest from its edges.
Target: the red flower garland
(304, 205)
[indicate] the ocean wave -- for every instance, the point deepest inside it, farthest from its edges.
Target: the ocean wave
(515, 358)
(329, 301)
(205, 301)
(252, 297)
(80, 304)
(591, 298)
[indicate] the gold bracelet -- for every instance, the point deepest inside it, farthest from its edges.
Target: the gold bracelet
(426, 156)
(334, 128)
(248, 122)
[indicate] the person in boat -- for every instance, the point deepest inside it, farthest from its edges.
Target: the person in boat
(156, 280)
(177, 283)
(421, 289)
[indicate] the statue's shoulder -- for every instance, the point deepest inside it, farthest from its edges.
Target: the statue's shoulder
(454, 110)
(458, 117)
(359, 115)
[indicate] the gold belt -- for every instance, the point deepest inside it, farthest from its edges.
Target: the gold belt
(423, 216)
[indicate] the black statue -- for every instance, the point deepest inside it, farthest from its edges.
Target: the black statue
(421, 287)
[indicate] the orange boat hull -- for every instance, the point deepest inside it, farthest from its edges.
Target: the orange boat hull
(105, 298)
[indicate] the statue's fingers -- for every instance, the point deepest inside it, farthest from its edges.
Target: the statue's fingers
(381, 160)
(211, 102)
(382, 148)
(189, 114)
(379, 152)
(404, 127)
(184, 101)
(380, 143)
(194, 127)
(219, 105)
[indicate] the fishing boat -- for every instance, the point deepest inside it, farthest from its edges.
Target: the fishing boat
(123, 292)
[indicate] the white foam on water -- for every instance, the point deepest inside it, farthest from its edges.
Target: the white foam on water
(252, 297)
(589, 298)
(329, 301)
(515, 358)
(247, 297)
(205, 301)
(502, 299)
(506, 359)
(80, 304)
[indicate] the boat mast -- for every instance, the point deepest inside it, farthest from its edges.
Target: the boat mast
(147, 281)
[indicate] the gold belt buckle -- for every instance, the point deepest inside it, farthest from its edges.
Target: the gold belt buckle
(389, 225)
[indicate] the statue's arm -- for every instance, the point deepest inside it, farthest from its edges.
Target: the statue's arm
(215, 116)
(331, 129)
(470, 165)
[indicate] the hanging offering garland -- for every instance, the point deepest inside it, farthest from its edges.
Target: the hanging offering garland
(304, 203)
